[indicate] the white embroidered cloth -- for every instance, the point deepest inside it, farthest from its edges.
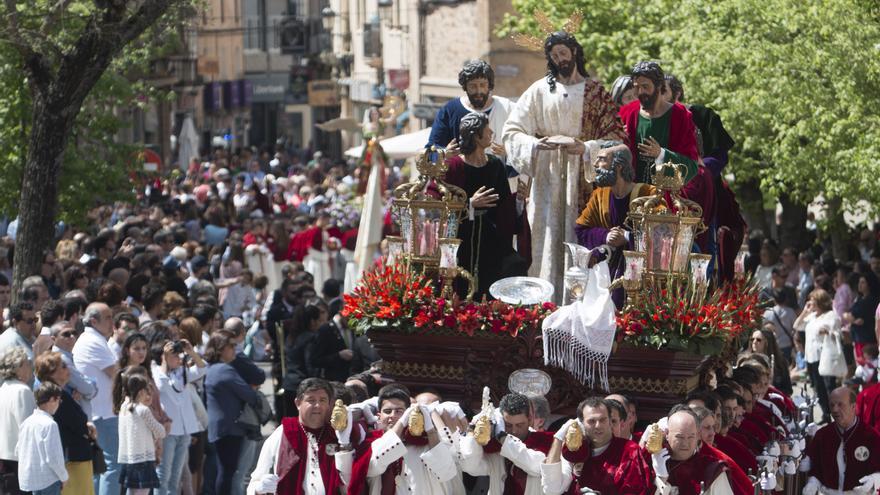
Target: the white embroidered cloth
(578, 337)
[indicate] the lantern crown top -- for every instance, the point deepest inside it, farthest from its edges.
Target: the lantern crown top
(670, 177)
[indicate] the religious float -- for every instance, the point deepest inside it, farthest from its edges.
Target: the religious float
(661, 344)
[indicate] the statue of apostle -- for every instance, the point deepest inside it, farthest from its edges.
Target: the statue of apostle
(545, 138)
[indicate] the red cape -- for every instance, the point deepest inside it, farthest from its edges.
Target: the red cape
(785, 404)
(749, 441)
(739, 482)
(620, 469)
(687, 475)
(868, 406)
(682, 133)
(740, 454)
(302, 241)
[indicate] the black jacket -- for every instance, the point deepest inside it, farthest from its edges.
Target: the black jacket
(74, 434)
(326, 358)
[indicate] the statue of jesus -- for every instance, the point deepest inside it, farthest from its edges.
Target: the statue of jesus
(545, 138)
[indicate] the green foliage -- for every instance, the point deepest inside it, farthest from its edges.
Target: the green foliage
(796, 84)
(98, 162)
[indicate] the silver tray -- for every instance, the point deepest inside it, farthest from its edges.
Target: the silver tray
(522, 290)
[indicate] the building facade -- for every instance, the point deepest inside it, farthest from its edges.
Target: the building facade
(416, 48)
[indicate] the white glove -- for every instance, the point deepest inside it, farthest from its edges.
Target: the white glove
(267, 484)
(766, 460)
(795, 449)
(812, 428)
(802, 443)
(658, 460)
(768, 481)
(497, 422)
(869, 484)
(453, 409)
(373, 402)
(774, 449)
(805, 465)
(812, 486)
(789, 468)
(560, 434)
(774, 395)
(426, 412)
(663, 424)
(367, 411)
(344, 436)
(404, 418)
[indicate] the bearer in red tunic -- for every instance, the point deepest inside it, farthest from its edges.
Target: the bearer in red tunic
(844, 455)
(868, 407)
(739, 481)
(305, 455)
(608, 464)
(513, 457)
(740, 454)
(393, 461)
(682, 468)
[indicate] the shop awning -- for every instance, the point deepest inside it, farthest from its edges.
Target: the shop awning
(399, 147)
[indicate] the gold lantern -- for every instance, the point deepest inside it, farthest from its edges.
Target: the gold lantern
(664, 227)
(429, 211)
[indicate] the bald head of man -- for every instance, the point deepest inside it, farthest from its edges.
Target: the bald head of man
(843, 406)
(683, 434)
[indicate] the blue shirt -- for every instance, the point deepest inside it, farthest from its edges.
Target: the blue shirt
(445, 126)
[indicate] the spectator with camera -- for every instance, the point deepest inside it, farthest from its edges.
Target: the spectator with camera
(172, 374)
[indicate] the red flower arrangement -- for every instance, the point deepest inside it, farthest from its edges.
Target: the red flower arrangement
(671, 318)
(399, 298)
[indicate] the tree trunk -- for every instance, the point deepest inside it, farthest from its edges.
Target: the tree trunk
(793, 227)
(38, 202)
(837, 230)
(751, 202)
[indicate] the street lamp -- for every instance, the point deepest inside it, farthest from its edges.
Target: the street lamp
(327, 18)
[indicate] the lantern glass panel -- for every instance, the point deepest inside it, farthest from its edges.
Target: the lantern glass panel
(449, 253)
(660, 242)
(683, 247)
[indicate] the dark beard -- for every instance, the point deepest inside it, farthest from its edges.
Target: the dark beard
(565, 69)
(479, 100)
(605, 177)
(648, 101)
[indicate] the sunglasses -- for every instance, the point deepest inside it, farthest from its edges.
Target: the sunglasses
(66, 335)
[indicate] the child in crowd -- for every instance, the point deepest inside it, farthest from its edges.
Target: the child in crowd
(867, 372)
(41, 468)
(138, 433)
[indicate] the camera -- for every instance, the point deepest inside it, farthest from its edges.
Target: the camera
(177, 347)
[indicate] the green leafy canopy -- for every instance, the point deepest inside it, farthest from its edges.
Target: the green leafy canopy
(795, 83)
(97, 162)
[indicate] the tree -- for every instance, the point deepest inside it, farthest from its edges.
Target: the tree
(64, 49)
(795, 84)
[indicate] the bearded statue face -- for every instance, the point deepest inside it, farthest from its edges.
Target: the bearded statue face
(563, 59)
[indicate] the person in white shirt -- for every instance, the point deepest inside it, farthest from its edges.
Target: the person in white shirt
(171, 376)
(396, 458)
(17, 404)
(139, 433)
(23, 329)
(512, 459)
(303, 455)
(41, 468)
(81, 387)
(93, 358)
